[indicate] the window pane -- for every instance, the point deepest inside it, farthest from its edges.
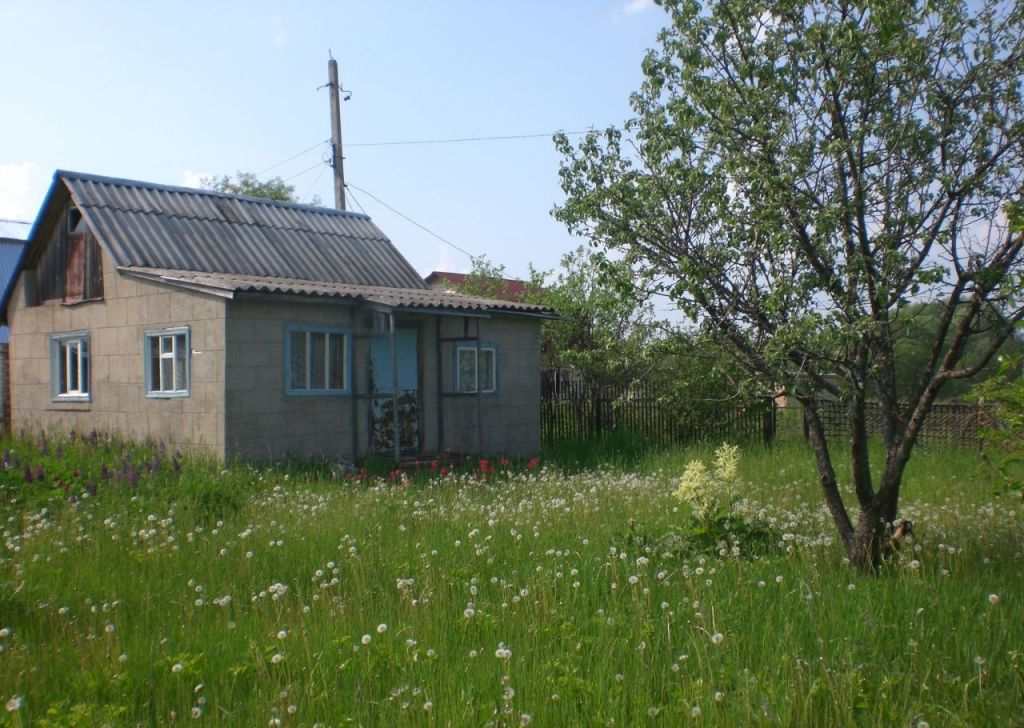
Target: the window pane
(73, 369)
(298, 359)
(317, 360)
(180, 358)
(487, 370)
(467, 370)
(337, 362)
(154, 364)
(62, 367)
(83, 374)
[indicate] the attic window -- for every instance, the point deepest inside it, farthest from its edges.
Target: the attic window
(71, 269)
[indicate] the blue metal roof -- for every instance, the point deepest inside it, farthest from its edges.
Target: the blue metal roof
(11, 252)
(157, 226)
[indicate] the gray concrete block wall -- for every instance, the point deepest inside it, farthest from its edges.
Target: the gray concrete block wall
(117, 326)
(262, 421)
(505, 423)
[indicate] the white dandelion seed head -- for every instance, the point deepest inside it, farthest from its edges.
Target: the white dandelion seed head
(177, 667)
(367, 639)
(993, 599)
(13, 704)
(695, 711)
(382, 628)
(717, 638)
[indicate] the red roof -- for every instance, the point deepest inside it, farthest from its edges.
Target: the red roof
(514, 289)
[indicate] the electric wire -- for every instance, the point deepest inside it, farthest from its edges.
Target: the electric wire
(465, 139)
(310, 189)
(299, 174)
(352, 196)
(15, 222)
(424, 228)
(294, 156)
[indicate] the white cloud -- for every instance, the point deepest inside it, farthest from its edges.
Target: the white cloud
(449, 261)
(22, 188)
(632, 7)
(193, 179)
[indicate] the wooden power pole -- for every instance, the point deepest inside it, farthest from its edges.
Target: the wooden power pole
(337, 160)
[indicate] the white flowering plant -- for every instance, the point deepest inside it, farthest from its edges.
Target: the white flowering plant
(711, 493)
(715, 526)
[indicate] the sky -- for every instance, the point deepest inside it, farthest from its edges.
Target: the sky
(172, 92)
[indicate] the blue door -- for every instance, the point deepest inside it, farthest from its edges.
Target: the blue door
(382, 400)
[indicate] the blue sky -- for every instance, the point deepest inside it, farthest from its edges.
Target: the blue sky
(169, 92)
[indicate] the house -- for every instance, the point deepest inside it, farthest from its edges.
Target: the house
(440, 280)
(254, 329)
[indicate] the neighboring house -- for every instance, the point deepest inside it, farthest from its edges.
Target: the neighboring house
(11, 250)
(441, 280)
(255, 329)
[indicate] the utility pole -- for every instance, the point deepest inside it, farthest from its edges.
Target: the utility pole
(337, 160)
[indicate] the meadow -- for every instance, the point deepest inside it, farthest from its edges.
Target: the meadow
(137, 588)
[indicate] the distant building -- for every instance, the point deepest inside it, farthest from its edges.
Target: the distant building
(441, 280)
(11, 250)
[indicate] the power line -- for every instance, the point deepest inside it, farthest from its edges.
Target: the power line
(356, 200)
(15, 222)
(294, 156)
(424, 228)
(306, 196)
(466, 139)
(307, 169)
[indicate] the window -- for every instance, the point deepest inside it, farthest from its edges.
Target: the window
(69, 366)
(468, 367)
(168, 363)
(316, 360)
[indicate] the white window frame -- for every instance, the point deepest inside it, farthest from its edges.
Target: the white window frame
(311, 388)
(470, 387)
(70, 352)
(180, 347)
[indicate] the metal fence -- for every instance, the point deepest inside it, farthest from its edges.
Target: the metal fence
(574, 410)
(949, 423)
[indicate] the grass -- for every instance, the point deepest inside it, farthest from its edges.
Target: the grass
(146, 590)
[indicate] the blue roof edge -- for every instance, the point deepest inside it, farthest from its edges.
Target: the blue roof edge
(9, 288)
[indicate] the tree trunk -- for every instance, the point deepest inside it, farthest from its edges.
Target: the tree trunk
(870, 542)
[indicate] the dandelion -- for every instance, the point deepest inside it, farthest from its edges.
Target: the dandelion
(468, 612)
(914, 564)
(695, 711)
(177, 667)
(197, 713)
(276, 659)
(428, 706)
(717, 638)
(367, 639)
(109, 628)
(282, 634)
(719, 696)
(293, 709)
(993, 599)
(14, 703)
(503, 652)
(5, 632)
(634, 580)
(382, 628)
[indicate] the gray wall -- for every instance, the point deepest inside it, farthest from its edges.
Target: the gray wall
(507, 422)
(117, 326)
(262, 421)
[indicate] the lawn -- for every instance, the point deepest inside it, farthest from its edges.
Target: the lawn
(140, 589)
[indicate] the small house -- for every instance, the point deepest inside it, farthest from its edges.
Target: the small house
(256, 329)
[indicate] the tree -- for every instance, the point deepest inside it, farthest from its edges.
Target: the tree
(247, 183)
(603, 334)
(798, 170)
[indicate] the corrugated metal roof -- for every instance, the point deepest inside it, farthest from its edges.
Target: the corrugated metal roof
(402, 298)
(156, 226)
(11, 251)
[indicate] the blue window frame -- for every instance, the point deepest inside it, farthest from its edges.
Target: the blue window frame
(69, 367)
(473, 374)
(317, 360)
(168, 355)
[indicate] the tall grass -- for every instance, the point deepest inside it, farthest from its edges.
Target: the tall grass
(516, 596)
